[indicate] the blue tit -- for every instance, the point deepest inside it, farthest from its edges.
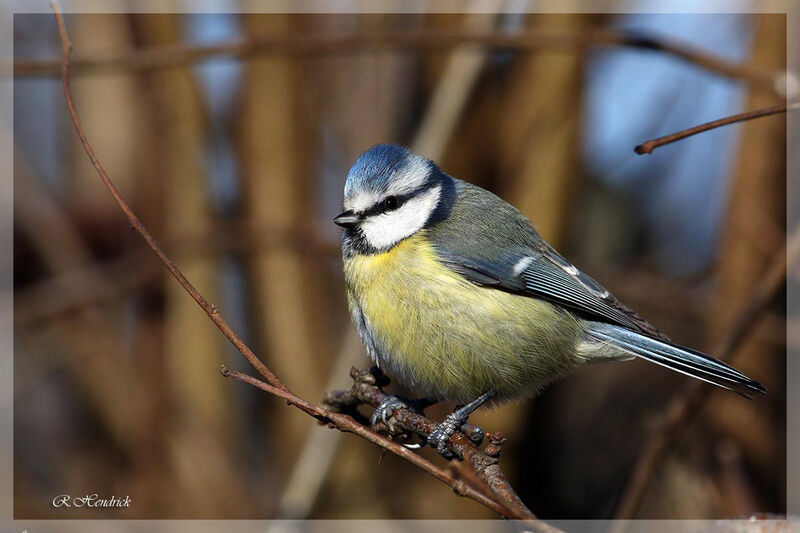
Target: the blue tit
(456, 296)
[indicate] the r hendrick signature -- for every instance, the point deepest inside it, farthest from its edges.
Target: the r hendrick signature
(91, 500)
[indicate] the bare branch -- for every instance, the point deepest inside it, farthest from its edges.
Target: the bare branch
(365, 391)
(648, 146)
(500, 497)
(210, 309)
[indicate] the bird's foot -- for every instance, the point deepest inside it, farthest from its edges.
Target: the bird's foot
(458, 420)
(439, 436)
(386, 409)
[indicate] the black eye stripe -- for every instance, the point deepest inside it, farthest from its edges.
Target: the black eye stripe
(380, 207)
(390, 203)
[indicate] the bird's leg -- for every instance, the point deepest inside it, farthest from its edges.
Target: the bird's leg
(453, 421)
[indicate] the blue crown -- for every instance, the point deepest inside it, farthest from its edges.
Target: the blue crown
(374, 168)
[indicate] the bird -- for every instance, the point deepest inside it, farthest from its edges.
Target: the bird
(456, 296)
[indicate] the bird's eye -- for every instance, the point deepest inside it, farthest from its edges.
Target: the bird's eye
(391, 203)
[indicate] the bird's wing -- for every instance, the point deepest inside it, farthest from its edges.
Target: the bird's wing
(503, 251)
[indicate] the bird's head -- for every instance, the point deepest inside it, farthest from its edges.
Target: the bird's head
(390, 194)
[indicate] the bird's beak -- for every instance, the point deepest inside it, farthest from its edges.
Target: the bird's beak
(347, 219)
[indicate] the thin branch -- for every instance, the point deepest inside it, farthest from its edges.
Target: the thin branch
(498, 495)
(366, 391)
(316, 44)
(346, 423)
(648, 146)
(210, 309)
(685, 406)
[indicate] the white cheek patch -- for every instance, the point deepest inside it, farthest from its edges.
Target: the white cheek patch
(387, 229)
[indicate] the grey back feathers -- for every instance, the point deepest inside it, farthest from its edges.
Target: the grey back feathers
(502, 249)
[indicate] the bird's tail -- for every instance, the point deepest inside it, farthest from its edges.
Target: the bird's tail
(684, 360)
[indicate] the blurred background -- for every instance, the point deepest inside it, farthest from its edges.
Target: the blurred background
(236, 162)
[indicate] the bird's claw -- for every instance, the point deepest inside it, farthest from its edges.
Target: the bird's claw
(385, 410)
(439, 436)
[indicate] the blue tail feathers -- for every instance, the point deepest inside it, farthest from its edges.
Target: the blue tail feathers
(684, 360)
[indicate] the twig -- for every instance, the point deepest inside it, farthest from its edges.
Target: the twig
(484, 464)
(686, 405)
(210, 309)
(648, 146)
(501, 498)
(512, 507)
(315, 44)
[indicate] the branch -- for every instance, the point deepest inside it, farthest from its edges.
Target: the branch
(648, 146)
(316, 44)
(210, 309)
(679, 413)
(496, 494)
(366, 391)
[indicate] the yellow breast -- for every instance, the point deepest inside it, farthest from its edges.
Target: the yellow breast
(445, 337)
